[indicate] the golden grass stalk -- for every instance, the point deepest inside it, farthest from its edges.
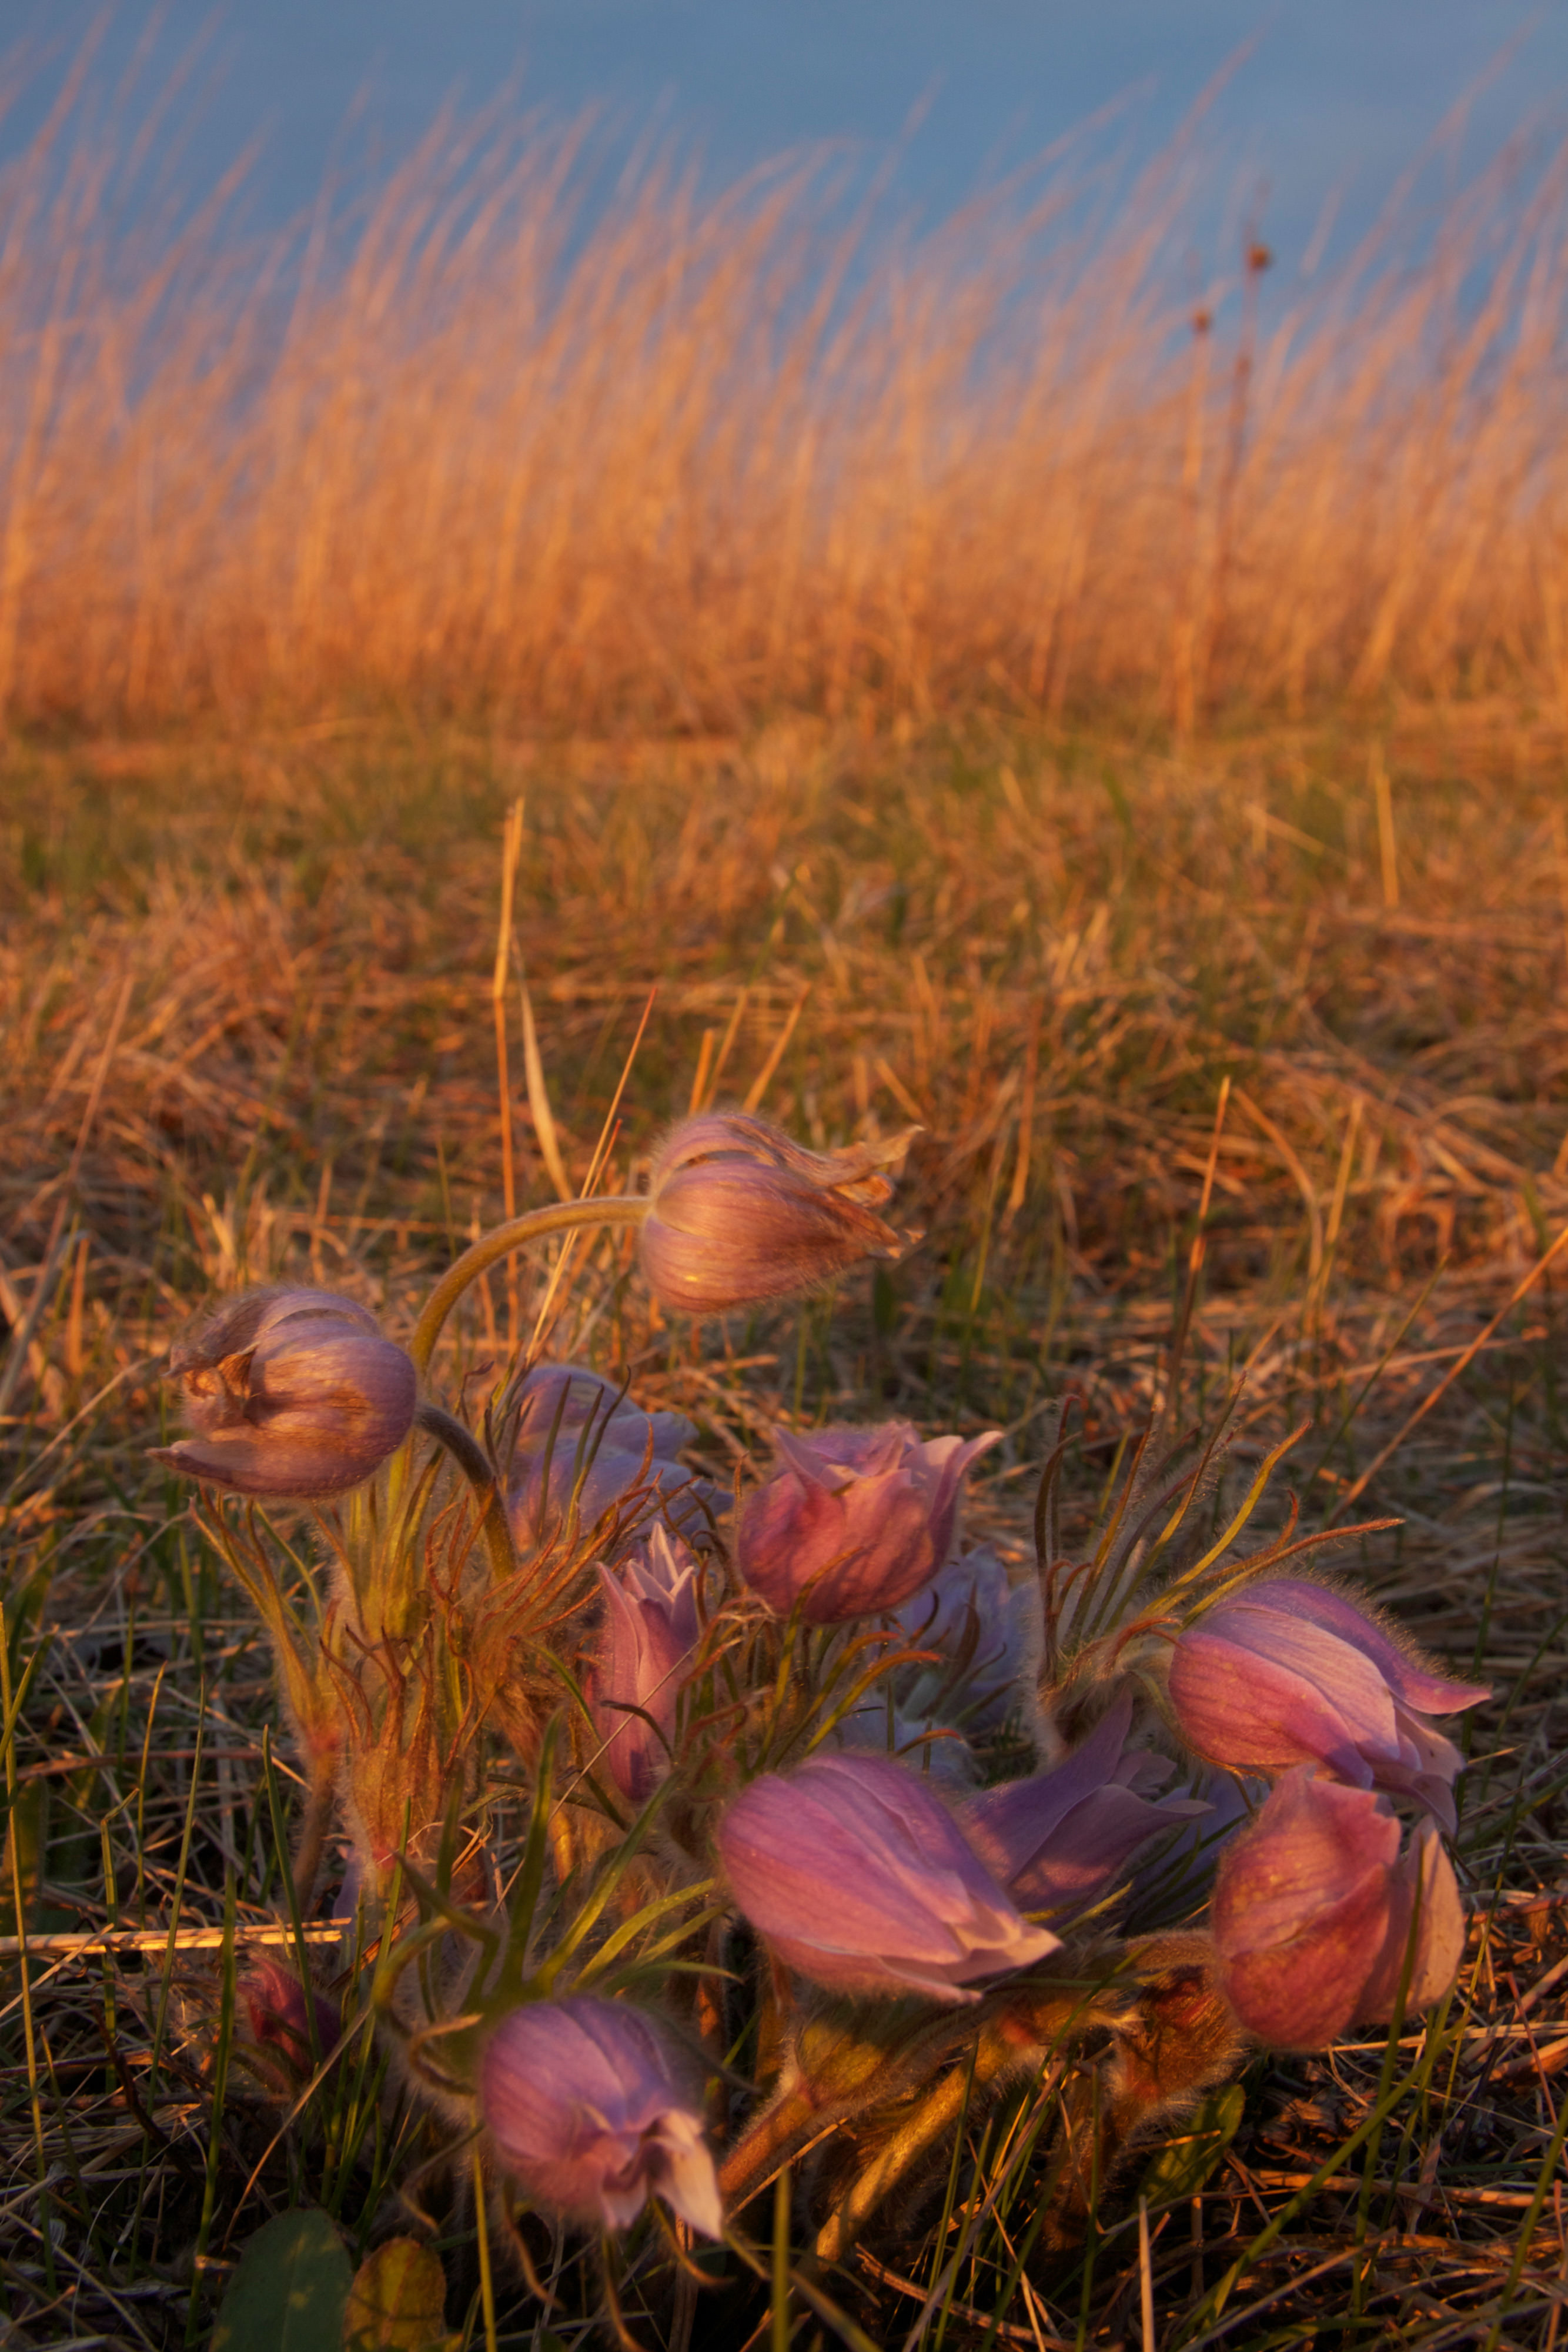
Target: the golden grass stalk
(686, 458)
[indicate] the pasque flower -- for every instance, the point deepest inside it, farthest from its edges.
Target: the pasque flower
(854, 1521)
(291, 1394)
(1291, 1672)
(979, 1638)
(860, 1878)
(1057, 1841)
(649, 1631)
(591, 2114)
(985, 1635)
(739, 1212)
(578, 1436)
(1313, 1911)
(1168, 1883)
(938, 1751)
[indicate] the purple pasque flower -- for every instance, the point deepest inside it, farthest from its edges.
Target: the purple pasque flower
(938, 1751)
(591, 2114)
(859, 1877)
(1313, 1909)
(988, 1635)
(576, 1434)
(291, 1395)
(649, 1631)
(854, 1521)
(1289, 1673)
(1168, 1884)
(1058, 1840)
(739, 1212)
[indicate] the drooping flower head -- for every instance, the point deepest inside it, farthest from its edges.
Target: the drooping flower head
(739, 1212)
(1313, 1911)
(291, 1394)
(649, 1631)
(854, 1521)
(590, 2112)
(859, 1876)
(578, 1436)
(1290, 1673)
(1059, 1840)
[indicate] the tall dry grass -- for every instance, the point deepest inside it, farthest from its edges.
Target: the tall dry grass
(649, 456)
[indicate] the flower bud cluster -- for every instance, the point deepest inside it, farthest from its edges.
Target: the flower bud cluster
(814, 1745)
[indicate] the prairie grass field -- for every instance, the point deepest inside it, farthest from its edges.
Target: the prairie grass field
(542, 425)
(984, 681)
(247, 990)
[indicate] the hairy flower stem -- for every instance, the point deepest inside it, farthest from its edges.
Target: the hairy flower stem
(846, 2077)
(321, 1803)
(776, 2138)
(478, 1469)
(567, 1216)
(934, 2118)
(1018, 2028)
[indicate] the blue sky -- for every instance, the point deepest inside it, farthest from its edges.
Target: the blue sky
(1334, 96)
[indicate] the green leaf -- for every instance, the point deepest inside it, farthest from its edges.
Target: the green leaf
(290, 2291)
(1183, 2165)
(398, 2303)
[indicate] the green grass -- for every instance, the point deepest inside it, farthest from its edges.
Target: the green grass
(244, 991)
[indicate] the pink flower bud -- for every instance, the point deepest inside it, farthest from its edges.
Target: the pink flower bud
(278, 2007)
(611, 1456)
(1058, 1840)
(739, 1212)
(1290, 1673)
(854, 1521)
(291, 1394)
(1312, 1913)
(590, 2112)
(860, 1878)
(649, 1632)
